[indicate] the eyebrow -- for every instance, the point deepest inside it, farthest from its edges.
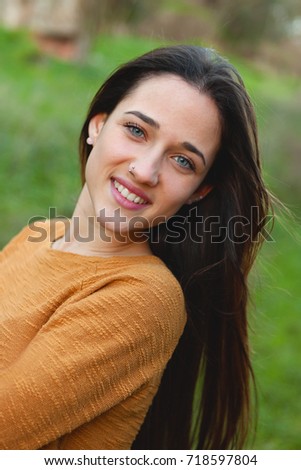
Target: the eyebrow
(145, 118)
(191, 148)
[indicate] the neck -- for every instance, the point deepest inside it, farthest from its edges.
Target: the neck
(87, 236)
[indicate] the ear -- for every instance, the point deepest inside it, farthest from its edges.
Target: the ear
(95, 126)
(200, 193)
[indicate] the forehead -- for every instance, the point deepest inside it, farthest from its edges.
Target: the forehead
(161, 80)
(162, 85)
(177, 106)
(167, 94)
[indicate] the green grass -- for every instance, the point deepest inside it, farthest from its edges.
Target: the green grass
(43, 104)
(276, 337)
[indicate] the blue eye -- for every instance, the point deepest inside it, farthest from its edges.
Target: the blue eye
(135, 130)
(184, 162)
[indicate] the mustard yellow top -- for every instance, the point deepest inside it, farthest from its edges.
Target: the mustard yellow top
(83, 343)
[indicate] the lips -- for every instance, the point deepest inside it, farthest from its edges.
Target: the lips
(130, 193)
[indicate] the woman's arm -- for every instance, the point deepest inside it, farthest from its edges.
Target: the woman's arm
(88, 357)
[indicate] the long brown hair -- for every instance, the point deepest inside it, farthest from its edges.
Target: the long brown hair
(204, 399)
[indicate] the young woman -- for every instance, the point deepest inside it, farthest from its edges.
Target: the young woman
(126, 327)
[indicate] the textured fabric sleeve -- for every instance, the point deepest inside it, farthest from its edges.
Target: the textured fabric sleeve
(41, 229)
(14, 243)
(88, 357)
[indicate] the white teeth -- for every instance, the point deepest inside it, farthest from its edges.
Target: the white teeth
(125, 192)
(127, 195)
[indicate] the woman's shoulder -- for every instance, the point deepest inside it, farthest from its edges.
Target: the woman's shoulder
(41, 230)
(146, 289)
(150, 275)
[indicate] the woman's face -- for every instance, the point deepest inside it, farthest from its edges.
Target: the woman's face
(168, 133)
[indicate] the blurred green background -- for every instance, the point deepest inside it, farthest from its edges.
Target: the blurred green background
(44, 95)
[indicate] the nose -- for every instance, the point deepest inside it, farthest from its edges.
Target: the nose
(146, 169)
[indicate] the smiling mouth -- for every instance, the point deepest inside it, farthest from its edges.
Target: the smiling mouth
(128, 195)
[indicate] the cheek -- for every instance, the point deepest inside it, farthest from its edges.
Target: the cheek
(174, 199)
(90, 166)
(95, 161)
(109, 153)
(178, 194)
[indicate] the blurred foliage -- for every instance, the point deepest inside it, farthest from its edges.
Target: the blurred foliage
(127, 11)
(243, 25)
(275, 338)
(248, 23)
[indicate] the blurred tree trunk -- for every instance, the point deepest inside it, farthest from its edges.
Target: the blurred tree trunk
(66, 27)
(61, 27)
(15, 13)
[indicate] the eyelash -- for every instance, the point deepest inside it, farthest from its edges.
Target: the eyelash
(190, 163)
(131, 126)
